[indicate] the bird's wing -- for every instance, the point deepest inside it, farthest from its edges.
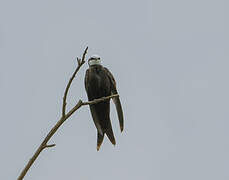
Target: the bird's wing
(116, 100)
(92, 107)
(96, 119)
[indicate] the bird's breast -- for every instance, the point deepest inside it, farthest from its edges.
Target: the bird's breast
(99, 85)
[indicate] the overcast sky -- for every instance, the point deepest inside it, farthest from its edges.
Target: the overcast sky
(170, 61)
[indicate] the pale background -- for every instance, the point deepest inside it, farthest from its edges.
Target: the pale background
(170, 61)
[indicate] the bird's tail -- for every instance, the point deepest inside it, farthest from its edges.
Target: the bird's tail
(99, 140)
(118, 106)
(110, 134)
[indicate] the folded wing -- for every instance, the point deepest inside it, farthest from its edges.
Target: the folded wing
(92, 107)
(116, 100)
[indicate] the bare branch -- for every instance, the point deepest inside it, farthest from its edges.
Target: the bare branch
(59, 123)
(80, 103)
(84, 54)
(49, 146)
(99, 100)
(55, 128)
(80, 63)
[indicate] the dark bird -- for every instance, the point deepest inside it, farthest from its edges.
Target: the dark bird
(99, 82)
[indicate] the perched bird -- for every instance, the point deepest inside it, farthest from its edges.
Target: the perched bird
(99, 82)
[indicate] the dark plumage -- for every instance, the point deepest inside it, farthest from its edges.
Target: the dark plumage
(99, 82)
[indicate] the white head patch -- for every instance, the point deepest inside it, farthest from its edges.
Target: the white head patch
(94, 60)
(95, 56)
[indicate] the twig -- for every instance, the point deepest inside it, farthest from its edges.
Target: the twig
(49, 146)
(80, 63)
(99, 100)
(64, 117)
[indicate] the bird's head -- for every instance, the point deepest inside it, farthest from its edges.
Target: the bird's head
(94, 60)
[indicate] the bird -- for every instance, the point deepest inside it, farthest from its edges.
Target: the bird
(99, 82)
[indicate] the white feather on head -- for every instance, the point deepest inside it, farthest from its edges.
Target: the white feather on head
(95, 56)
(94, 60)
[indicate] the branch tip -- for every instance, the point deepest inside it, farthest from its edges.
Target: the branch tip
(78, 61)
(49, 145)
(84, 54)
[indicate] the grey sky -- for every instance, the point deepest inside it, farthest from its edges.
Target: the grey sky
(170, 61)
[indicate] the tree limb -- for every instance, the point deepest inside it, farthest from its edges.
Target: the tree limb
(63, 118)
(49, 146)
(80, 63)
(99, 100)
